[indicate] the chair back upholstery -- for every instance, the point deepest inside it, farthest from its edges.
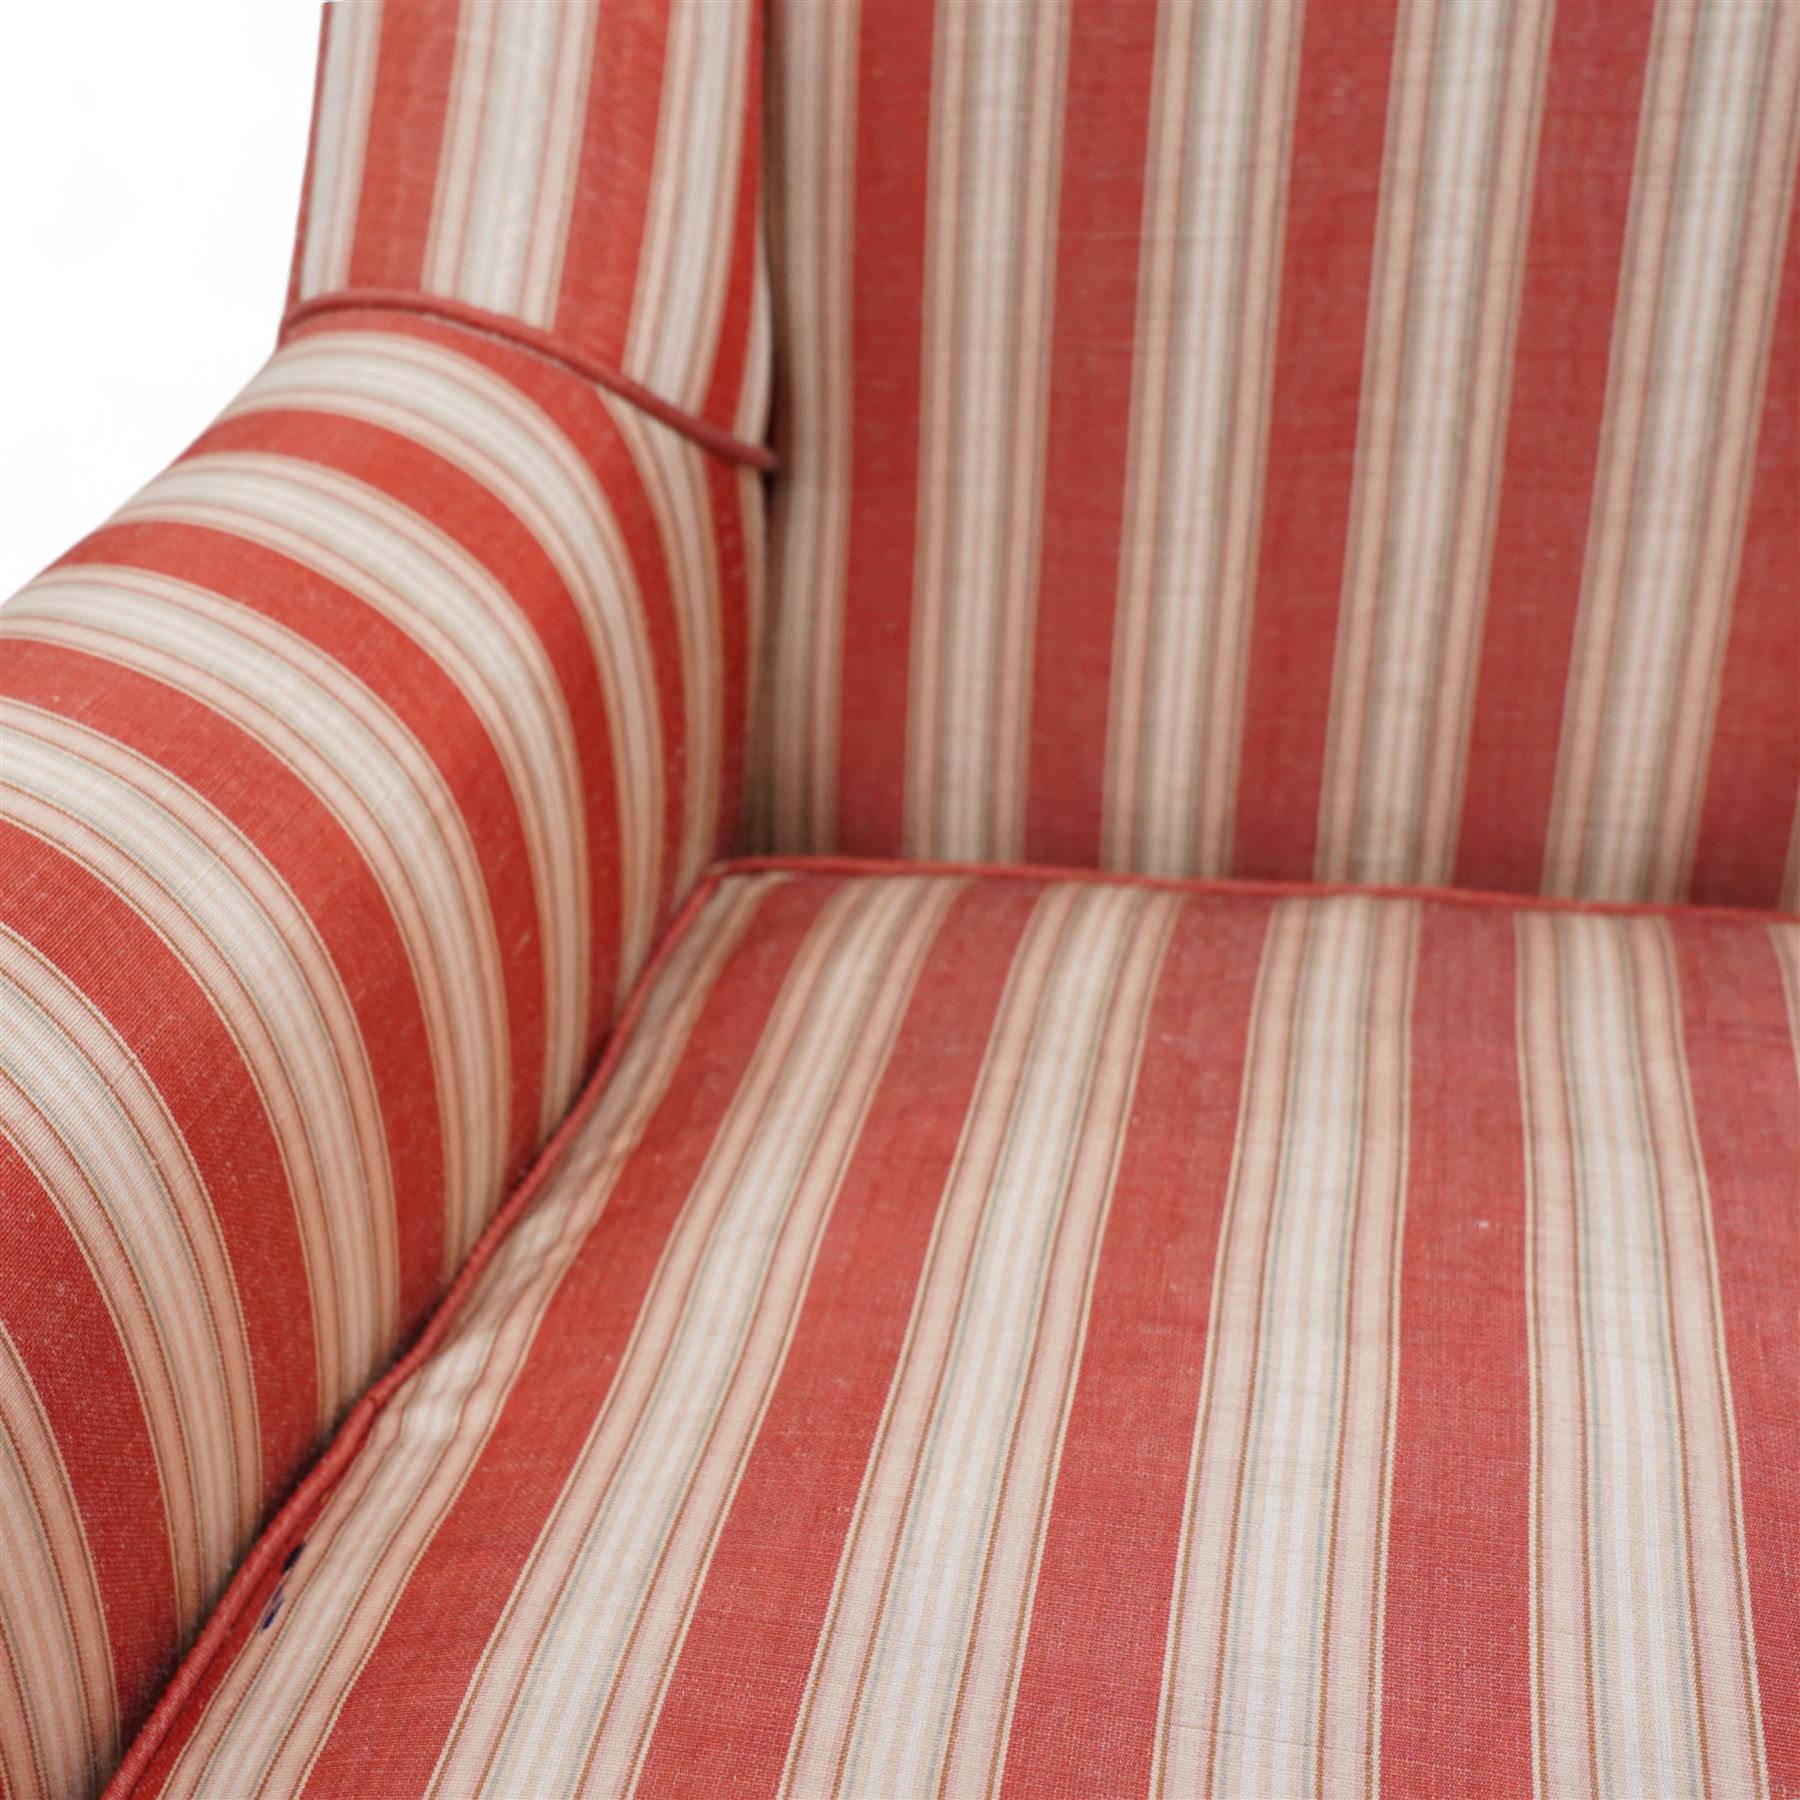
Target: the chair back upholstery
(587, 175)
(1351, 441)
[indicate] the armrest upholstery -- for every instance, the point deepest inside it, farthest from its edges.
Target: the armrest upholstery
(347, 776)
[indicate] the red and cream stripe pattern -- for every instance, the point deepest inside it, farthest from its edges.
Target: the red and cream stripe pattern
(1318, 439)
(1641, 1603)
(585, 171)
(1011, 1335)
(347, 777)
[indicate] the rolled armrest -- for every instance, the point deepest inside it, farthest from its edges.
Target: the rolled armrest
(346, 778)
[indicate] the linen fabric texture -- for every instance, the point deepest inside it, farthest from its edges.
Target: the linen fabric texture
(999, 1334)
(1351, 442)
(348, 775)
(1293, 1291)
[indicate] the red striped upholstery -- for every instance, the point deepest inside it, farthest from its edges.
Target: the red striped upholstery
(1024, 1337)
(584, 171)
(347, 777)
(1001, 1332)
(1353, 440)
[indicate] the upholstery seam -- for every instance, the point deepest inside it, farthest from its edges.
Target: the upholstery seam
(542, 344)
(1250, 887)
(316, 1486)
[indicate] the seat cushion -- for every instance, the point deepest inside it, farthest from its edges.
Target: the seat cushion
(997, 1333)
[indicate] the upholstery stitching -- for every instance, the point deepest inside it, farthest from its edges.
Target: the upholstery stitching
(542, 344)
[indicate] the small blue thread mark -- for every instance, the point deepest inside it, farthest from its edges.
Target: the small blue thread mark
(280, 1593)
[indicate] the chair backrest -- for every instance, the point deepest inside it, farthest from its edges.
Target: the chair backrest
(1352, 441)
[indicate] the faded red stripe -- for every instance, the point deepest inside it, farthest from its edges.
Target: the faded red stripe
(1111, 58)
(893, 126)
(398, 1714)
(732, 616)
(1091, 1684)
(414, 65)
(1742, 1074)
(1754, 775)
(1456, 1678)
(1586, 148)
(612, 183)
(1333, 187)
(763, 1603)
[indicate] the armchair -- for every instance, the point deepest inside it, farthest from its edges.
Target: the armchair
(1114, 1107)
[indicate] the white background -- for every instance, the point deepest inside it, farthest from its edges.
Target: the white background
(150, 161)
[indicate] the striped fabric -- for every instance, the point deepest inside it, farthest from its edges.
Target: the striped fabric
(1006, 1332)
(347, 777)
(585, 173)
(1018, 1336)
(1355, 440)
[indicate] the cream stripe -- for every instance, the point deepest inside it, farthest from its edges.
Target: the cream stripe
(1273, 1646)
(1202, 362)
(675, 478)
(1642, 1655)
(346, 94)
(689, 227)
(269, 1718)
(58, 1716)
(752, 514)
(465, 119)
(987, 1682)
(517, 121)
(1455, 192)
(568, 111)
(990, 270)
(1438, 758)
(1729, 465)
(750, 422)
(1718, 1574)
